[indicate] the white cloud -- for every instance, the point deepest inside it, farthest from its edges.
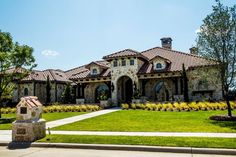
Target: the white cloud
(50, 53)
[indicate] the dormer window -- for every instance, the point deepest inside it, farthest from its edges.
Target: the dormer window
(158, 66)
(94, 71)
(123, 62)
(115, 63)
(131, 61)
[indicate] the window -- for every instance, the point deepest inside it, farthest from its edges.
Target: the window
(94, 71)
(115, 63)
(23, 110)
(26, 92)
(158, 87)
(123, 62)
(158, 66)
(131, 62)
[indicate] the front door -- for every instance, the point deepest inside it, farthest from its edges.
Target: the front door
(128, 91)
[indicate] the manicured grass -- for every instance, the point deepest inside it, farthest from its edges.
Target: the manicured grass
(148, 121)
(140, 140)
(47, 116)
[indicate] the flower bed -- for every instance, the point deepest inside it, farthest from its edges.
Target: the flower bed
(59, 108)
(182, 106)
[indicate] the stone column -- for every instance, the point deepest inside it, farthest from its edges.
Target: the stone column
(114, 93)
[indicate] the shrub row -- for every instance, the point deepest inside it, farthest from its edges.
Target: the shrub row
(8, 110)
(182, 106)
(70, 108)
(59, 108)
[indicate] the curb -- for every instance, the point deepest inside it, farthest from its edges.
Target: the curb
(189, 150)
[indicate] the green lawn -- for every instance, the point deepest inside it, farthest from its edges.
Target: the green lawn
(148, 121)
(47, 116)
(140, 140)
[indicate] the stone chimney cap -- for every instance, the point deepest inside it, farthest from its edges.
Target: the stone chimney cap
(166, 38)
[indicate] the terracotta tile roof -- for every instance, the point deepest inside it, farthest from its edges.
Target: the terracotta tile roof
(54, 75)
(82, 72)
(75, 71)
(123, 53)
(176, 58)
(102, 64)
(31, 101)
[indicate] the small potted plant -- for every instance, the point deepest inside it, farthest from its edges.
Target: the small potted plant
(136, 97)
(103, 99)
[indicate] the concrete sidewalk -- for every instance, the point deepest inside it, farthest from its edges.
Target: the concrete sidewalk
(68, 147)
(79, 118)
(5, 135)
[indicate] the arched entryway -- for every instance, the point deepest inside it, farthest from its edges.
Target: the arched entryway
(161, 92)
(101, 90)
(125, 89)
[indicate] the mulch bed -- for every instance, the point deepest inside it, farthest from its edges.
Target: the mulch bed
(223, 118)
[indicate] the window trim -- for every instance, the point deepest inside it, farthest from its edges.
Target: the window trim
(115, 63)
(158, 67)
(131, 61)
(93, 71)
(123, 62)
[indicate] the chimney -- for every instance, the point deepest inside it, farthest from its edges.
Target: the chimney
(193, 50)
(166, 42)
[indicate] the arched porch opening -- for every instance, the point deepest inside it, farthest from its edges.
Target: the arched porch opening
(125, 89)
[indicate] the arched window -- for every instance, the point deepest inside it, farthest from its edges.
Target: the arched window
(94, 71)
(158, 66)
(26, 92)
(161, 92)
(101, 93)
(158, 87)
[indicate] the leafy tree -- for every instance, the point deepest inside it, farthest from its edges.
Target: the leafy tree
(185, 83)
(16, 61)
(217, 40)
(66, 96)
(48, 90)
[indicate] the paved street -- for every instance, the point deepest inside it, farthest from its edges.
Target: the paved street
(59, 152)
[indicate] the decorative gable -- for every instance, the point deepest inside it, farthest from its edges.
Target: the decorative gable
(160, 63)
(96, 68)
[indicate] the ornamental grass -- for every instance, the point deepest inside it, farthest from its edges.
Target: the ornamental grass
(180, 106)
(59, 108)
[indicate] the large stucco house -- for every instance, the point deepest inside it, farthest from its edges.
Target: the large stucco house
(155, 73)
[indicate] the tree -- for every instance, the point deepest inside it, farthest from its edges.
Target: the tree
(217, 40)
(185, 83)
(48, 90)
(66, 96)
(16, 61)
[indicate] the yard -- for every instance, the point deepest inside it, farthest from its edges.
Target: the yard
(47, 116)
(140, 140)
(153, 121)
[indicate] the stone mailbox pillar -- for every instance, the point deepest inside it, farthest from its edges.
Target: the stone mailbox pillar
(28, 126)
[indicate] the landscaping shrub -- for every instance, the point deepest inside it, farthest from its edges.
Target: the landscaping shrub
(59, 108)
(180, 106)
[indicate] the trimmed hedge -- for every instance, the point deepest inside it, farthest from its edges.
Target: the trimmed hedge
(182, 106)
(59, 108)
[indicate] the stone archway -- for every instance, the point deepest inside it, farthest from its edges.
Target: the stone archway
(124, 89)
(162, 91)
(101, 89)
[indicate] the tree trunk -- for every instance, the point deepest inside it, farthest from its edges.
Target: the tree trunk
(228, 105)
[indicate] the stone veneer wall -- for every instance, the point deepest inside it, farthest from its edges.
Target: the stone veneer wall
(119, 71)
(151, 85)
(211, 75)
(89, 91)
(40, 91)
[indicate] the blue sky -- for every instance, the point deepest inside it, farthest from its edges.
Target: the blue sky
(69, 33)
